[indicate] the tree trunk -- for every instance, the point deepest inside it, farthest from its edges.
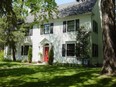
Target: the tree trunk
(13, 54)
(109, 35)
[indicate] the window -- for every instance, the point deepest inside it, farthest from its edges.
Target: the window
(95, 26)
(24, 50)
(94, 50)
(70, 49)
(47, 29)
(71, 25)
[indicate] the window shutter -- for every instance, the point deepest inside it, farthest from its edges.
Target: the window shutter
(42, 29)
(94, 50)
(77, 24)
(64, 26)
(63, 50)
(95, 26)
(22, 50)
(51, 28)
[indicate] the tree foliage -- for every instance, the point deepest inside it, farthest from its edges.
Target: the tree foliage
(13, 14)
(83, 42)
(30, 55)
(51, 56)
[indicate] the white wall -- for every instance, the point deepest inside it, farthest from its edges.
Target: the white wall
(58, 37)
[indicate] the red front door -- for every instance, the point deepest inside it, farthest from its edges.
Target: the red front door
(46, 52)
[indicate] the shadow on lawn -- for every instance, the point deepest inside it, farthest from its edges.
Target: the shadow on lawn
(77, 80)
(8, 64)
(85, 77)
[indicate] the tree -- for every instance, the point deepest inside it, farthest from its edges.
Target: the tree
(51, 56)
(30, 55)
(13, 13)
(82, 43)
(109, 35)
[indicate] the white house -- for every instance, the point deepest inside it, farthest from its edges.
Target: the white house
(61, 34)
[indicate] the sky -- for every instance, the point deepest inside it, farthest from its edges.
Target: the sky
(63, 1)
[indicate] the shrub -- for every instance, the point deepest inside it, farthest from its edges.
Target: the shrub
(30, 55)
(1, 55)
(51, 56)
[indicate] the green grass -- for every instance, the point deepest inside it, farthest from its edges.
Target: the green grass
(13, 74)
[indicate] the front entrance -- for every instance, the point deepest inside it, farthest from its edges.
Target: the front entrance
(46, 54)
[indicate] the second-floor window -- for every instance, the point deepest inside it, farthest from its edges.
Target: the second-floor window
(47, 29)
(71, 25)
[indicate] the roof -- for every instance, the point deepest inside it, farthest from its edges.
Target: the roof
(75, 8)
(69, 9)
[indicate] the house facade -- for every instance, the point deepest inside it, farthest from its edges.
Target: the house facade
(60, 33)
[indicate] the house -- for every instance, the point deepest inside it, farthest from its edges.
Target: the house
(61, 34)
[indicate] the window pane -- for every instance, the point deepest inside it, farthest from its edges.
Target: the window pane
(46, 29)
(70, 25)
(24, 50)
(70, 49)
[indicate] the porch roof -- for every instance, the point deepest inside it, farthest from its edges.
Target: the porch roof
(44, 41)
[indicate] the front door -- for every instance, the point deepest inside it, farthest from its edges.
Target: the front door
(46, 52)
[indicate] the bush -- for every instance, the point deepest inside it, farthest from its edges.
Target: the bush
(51, 56)
(2, 55)
(30, 55)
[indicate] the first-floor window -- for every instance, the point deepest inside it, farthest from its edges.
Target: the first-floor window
(70, 49)
(24, 50)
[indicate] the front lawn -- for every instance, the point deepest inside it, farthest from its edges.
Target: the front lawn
(14, 74)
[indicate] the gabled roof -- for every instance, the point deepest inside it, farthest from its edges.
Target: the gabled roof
(75, 8)
(70, 9)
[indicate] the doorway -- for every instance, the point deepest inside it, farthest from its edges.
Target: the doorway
(46, 53)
